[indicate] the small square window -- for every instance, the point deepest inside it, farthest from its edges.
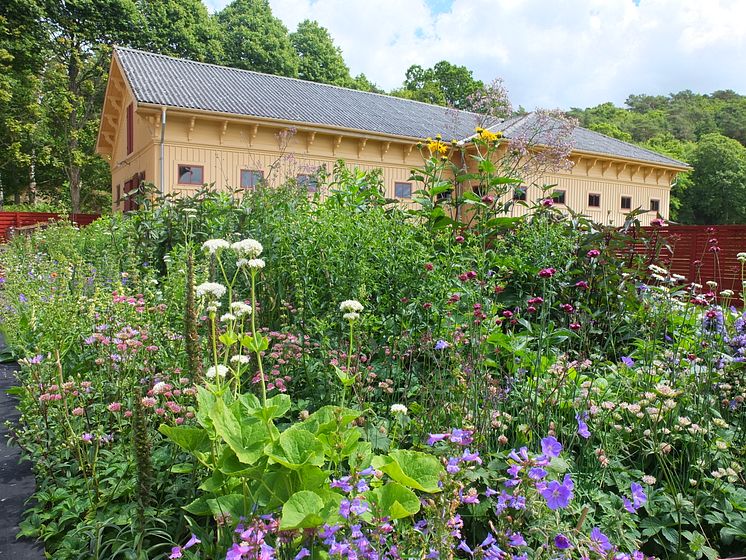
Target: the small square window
(191, 175)
(655, 205)
(251, 179)
(519, 193)
(594, 200)
(403, 190)
(558, 197)
(308, 181)
(626, 203)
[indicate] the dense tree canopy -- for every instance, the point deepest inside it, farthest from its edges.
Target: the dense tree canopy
(180, 28)
(254, 39)
(320, 60)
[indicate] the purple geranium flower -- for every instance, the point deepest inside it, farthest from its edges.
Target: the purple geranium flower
(562, 542)
(516, 539)
(599, 542)
(627, 361)
(304, 553)
(583, 430)
(441, 345)
(536, 473)
(551, 447)
(557, 495)
(638, 498)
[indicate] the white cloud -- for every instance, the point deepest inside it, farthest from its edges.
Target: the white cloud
(550, 54)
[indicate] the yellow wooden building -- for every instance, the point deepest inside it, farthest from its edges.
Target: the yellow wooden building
(181, 124)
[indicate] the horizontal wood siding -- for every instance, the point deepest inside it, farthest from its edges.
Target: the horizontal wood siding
(12, 220)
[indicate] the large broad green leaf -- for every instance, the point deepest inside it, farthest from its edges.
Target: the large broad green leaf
(295, 448)
(328, 419)
(246, 438)
(188, 438)
(198, 507)
(413, 469)
(205, 403)
(394, 501)
(232, 504)
(274, 488)
(276, 407)
(302, 511)
(230, 464)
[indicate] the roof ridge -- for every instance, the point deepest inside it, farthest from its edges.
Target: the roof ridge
(278, 76)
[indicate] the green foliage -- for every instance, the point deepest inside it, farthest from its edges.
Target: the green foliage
(254, 39)
(320, 60)
(718, 190)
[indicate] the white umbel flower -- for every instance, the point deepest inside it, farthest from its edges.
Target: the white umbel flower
(350, 306)
(227, 317)
(351, 316)
(250, 248)
(240, 309)
(239, 359)
(213, 246)
(211, 288)
(741, 257)
(255, 263)
(216, 371)
(398, 409)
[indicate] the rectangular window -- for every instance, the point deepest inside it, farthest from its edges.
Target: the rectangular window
(626, 203)
(251, 179)
(403, 190)
(191, 175)
(558, 197)
(130, 128)
(655, 205)
(308, 181)
(519, 193)
(594, 200)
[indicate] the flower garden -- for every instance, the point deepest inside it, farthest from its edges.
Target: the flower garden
(273, 377)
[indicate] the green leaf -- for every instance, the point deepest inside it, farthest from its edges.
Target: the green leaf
(296, 447)
(181, 468)
(394, 500)
(198, 507)
(231, 504)
(346, 379)
(328, 419)
(302, 511)
(188, 438)
(413, 469)
(246, 438)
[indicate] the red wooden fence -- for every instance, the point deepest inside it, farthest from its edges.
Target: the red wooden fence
(704, 253)
(14, 220)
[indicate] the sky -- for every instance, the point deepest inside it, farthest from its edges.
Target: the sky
(549, 53)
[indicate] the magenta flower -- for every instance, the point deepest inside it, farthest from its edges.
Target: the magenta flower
(593, 253)
(435, 438)
(546, 272)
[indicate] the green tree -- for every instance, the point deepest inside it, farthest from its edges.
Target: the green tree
(180, 28)
(254, 39)
(612, 130)
(717, 194)
(443, 84)
(82, 33)
(362, 83)
(319, 59)
(23, 51)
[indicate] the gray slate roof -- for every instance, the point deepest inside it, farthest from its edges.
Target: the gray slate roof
(583, 140)
(174, 82)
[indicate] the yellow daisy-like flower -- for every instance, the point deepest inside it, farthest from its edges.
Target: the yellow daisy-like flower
(437, 147)
(488, 136)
